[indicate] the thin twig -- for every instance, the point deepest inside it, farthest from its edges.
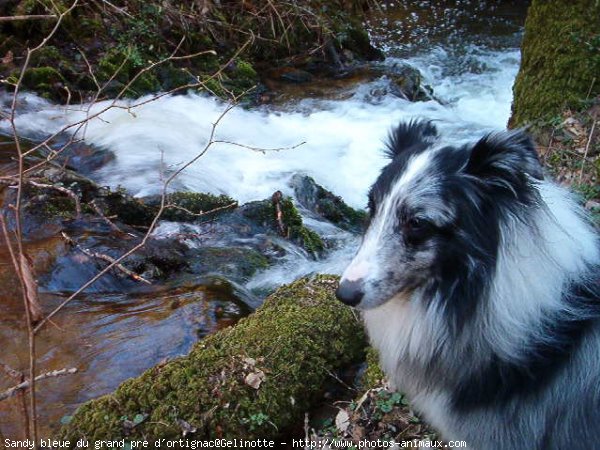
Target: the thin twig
(64, 190)
(18, 225)
(28, 17)
(587, 149)
(202, 213)
(110, 223)
(106, 258)
(25, 384)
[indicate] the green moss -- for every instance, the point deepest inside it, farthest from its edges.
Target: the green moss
(292, 342)
(128, 209)
(561, 59)
(373, 374)
(195, 203)
(265, 213)
(121, 66)
(63, 207)
(296, 231)
(243, 69)
(235, 263)
(45, 80)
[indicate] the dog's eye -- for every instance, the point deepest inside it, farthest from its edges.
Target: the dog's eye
(416, 230)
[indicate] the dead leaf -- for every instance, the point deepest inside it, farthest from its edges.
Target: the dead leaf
(255, 379)
(342, 421)
(31, 289)
(8, 58)
(186, 427)
(249, 363)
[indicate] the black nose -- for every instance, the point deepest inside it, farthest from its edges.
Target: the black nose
(350, 292)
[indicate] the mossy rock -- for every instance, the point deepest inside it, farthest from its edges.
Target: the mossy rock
(119, 66)
(252, 380)
(128, 209)
(561, 59)
(235, 263)
(46, 81)
(265, 213)
(356, 39)
(319, 200)
(196, 203)
(373, 375)
(191, 206)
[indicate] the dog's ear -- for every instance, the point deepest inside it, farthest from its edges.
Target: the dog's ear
(415, 135)
(505, 157)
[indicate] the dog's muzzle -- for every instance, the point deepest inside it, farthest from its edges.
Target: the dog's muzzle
(350, 292)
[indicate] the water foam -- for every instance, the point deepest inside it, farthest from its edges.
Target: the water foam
(342, 139)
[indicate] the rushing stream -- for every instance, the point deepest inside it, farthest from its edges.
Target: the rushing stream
(469, 62)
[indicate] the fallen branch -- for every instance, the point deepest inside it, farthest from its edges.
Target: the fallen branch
(202, 213)
(25, 384)
(109, 259)
(64, 190)
(29, 17)
(103, 217)
(276, 200)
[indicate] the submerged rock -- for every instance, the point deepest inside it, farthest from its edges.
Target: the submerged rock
(235, 263)
(248, 381)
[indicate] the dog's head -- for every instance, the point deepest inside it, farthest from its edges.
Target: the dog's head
(436, 212)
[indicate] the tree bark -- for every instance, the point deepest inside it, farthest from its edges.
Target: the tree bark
(560, 64)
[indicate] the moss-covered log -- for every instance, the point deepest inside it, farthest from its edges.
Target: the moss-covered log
(561, 59)
(252, 380)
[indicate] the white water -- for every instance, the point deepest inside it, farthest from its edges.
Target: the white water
(342, 139)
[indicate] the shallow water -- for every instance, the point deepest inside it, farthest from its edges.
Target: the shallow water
(470, 60)
(108, 338)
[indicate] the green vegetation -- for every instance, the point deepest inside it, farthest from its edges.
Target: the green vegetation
(289, 224)
(251, 380)
(373, 375)
(226, 40)
(187, 206)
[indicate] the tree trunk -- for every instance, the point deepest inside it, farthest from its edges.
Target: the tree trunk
(251, 380)
(560, 64)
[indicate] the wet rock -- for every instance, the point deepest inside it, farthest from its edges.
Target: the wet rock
(279, 215)
(190, 206)
(405, 82)
(327, 205)
(81, 157)
(357, 43)
(293, 75)
(235, 263)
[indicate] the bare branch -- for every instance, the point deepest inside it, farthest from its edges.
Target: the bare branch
(64, 190)
(28, 17)
(25, 384)
(201, 213)
(103, 217)
(106, 258)
(587, 149)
